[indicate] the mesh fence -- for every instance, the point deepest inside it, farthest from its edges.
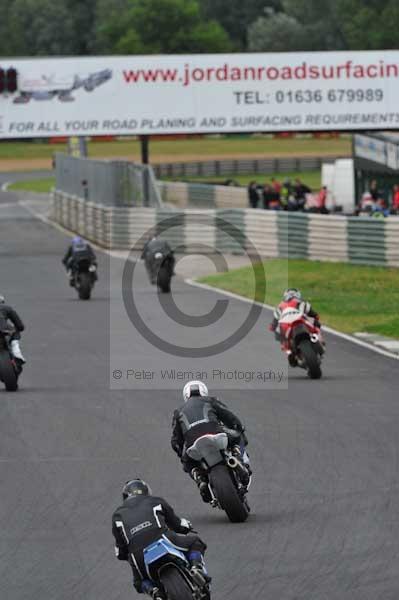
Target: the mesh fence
(112, 183)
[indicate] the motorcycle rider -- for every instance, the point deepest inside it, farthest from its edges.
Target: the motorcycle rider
(79, 249)
(150, 249)
(292, 298)
(7, 313)
(143, 519)
(200, 415)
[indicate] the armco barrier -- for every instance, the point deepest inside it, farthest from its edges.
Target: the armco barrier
(359, 240)
(241, 166)
(366, 241)
(292, 234)
(392, 241)
(327, 238)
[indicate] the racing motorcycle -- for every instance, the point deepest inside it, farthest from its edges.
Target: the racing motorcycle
(10, 368)
(84, 276)
(302, 341)
(160, 271)
(228, 478)
(170, 571)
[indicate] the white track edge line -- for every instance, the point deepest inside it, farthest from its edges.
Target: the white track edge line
(344, 336)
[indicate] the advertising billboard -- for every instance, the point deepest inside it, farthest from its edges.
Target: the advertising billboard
(129, 95)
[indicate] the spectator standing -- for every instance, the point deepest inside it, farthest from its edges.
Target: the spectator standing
(300, 190)
(253, 195)
(322, 201)
(268, 195)
(374, 193)
(276, 185)
(395, 200)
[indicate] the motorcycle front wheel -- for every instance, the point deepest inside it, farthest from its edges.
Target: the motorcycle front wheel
(175, 585)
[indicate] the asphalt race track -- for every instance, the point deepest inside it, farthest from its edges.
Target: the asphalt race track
(325, 520)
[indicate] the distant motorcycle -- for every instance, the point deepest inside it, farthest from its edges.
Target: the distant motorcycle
(84, 276)
(229, 480)
(169, 569)
(302, 340)
(160, 270)
(10, 368)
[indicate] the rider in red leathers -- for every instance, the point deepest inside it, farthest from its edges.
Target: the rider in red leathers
(292, 298)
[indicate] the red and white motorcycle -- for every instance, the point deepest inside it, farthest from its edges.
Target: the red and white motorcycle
(302, 341)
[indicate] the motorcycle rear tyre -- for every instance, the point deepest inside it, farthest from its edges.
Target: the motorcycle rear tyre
(311, 359)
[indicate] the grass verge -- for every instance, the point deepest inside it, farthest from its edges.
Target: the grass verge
(35, 185)
(192, 147)
(349, 298)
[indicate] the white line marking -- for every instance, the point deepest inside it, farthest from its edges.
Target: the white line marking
(5, 186)
(344, 336)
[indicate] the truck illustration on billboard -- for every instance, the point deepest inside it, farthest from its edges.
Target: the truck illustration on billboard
(47, 87)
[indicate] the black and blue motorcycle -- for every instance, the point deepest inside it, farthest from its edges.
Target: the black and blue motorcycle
(169, 569)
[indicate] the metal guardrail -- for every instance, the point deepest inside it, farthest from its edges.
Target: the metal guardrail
(111, 183)
(241, 166)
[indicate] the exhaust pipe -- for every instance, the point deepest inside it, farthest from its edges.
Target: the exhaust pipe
(233, 463)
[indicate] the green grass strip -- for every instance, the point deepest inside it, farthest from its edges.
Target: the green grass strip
(349, 298)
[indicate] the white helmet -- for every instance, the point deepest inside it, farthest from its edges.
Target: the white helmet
(2, 299)
(194, 388)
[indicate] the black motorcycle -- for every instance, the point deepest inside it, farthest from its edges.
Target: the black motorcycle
(160, 269)
(228, 478)
(84, 276)
(10, 368)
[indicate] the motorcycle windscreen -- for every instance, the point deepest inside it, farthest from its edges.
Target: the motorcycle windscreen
(208, 448)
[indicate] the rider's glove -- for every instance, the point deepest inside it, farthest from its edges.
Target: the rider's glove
(186, 524)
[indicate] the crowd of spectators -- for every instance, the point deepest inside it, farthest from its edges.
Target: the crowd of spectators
(290, 196)
(374, 204)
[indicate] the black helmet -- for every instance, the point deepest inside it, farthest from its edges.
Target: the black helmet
(136, 487)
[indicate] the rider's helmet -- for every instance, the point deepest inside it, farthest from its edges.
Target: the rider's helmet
(2, 299)
(194, 388)
(77, 240)
(292, 293)
(136, 487)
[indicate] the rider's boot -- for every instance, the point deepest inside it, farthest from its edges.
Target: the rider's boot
(198, 565)
(149, 588)
(202, 484)
(70, 277)
(292, 361)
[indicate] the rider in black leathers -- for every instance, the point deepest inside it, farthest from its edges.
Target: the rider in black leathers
(79, 249)
(150, 249)
(8, 314)
(200, 415)
(141, 520)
